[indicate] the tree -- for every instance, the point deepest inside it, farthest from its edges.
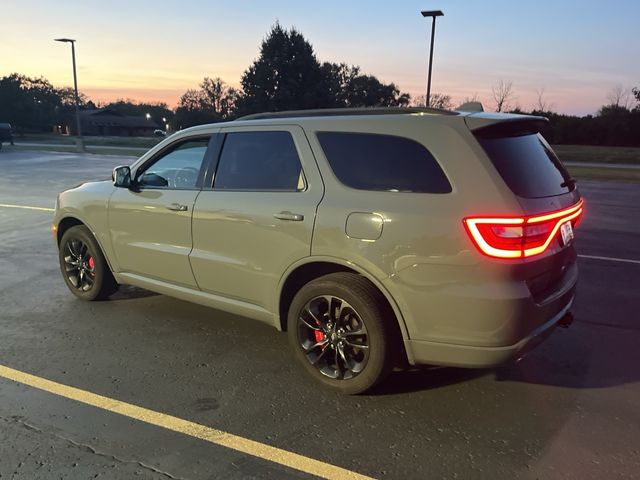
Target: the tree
(338, 78)
(66, 110)
(368, 91)
(213, 102)
(541, 105)
(438, 100)
(158, 112)
(636, 93)
(67, 96)
(620, 96)
(285, 76)
(28, 103)
(612, 110)
(503, 95)
(347, 87)
(218, 96)
(471, 99)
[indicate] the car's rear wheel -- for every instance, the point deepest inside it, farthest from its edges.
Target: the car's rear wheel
(340, 329)
(83, 266)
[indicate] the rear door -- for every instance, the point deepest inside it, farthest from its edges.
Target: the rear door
(150, 224)
(258, 217)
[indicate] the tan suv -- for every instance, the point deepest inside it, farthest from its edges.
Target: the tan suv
(374, 237)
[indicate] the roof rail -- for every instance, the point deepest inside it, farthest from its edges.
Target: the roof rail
(343, 112)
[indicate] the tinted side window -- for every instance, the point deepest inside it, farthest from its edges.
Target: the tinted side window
(178, 168)
(528, 165)
(259, 161)
(383, 162)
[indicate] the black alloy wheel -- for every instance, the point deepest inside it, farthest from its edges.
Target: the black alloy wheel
(343, 332)
(79, 265)
(83, 266)
(333, 337)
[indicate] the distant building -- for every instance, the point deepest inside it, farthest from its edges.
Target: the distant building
(111, 123)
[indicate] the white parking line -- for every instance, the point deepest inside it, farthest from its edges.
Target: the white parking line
(610, 259)
(196, 430)
(27, 207)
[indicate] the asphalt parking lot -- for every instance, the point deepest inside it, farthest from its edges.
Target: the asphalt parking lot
(568, 410)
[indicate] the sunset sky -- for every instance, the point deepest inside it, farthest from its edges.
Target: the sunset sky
(577, 50)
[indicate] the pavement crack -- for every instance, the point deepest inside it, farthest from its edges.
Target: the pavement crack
(87, 447)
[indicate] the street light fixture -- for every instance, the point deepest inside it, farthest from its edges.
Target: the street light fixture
(433, 14)
(148, 115)
(79, 141)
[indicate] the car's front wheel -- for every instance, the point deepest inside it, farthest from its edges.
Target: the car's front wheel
(340, 329)
(83, 266)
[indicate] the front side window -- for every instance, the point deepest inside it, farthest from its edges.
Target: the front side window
(387, 163)
(259, 161)
(179, 168)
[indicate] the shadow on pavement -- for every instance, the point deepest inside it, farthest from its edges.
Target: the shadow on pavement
(127, 292)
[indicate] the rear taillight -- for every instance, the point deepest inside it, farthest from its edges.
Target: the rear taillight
(519, 237)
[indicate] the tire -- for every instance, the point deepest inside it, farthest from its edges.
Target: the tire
(83, 266)
(330, 347)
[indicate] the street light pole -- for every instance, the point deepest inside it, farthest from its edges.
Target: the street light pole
(433, 14)
(79, 141)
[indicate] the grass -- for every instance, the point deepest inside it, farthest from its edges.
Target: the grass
(139, 142)
(590, 153)
(629, 175)
(133, 152)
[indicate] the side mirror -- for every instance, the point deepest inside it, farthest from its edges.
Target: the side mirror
(121, 177)
(153, 180)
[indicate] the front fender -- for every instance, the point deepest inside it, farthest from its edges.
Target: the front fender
(88, 204)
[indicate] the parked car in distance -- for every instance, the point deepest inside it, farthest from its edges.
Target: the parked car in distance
(159, 133)
(374, 237)
(5, 134)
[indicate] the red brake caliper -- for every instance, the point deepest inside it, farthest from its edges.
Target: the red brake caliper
(319, 335)
(91, 263)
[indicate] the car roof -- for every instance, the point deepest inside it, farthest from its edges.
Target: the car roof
(345, 112)
(345, 116)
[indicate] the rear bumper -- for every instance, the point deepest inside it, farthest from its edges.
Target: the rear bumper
(437, 353)
(482, 321)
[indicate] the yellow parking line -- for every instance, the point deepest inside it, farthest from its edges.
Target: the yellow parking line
(208, 434)
(27, 207)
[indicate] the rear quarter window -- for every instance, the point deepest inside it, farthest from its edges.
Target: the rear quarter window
(528, 165)
(382, 163)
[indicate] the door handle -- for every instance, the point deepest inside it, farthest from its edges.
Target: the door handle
(293, 217)
(176, 207)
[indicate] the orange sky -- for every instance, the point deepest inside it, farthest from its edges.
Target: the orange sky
(155, 50)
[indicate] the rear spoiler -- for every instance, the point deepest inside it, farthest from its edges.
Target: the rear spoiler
(492, 125)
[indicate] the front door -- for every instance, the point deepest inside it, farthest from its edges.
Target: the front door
(258, 218)
(150, 224)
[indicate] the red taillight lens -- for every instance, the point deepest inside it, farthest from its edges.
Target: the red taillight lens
(519, 237)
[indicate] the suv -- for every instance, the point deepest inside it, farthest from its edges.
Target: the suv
(374, 237)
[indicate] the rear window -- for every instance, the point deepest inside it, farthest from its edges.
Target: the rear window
(382, 162)
(528, 165)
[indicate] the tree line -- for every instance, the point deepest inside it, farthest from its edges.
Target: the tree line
(288, 76)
